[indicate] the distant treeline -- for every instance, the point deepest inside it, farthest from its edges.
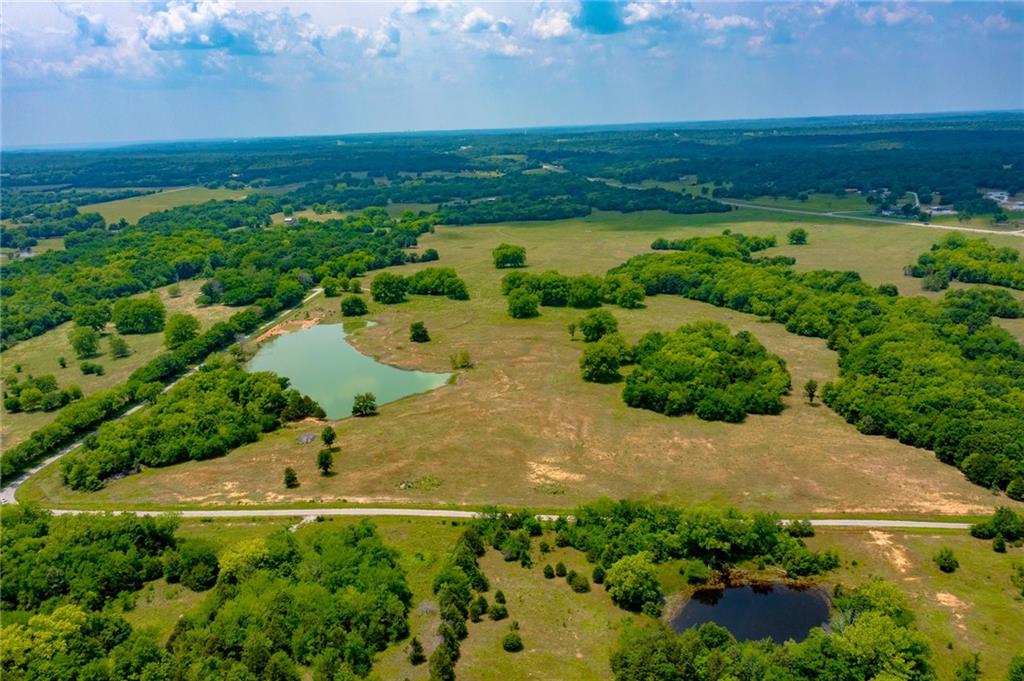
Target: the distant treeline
(969, 260)
(938, 375)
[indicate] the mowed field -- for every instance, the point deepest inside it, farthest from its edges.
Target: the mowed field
(572, 636)
(39, 356)
(522, 428)
(134, 208)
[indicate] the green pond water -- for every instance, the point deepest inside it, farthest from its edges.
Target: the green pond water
(320, 363)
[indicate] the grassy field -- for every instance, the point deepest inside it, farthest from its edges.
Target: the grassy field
(826, 203)
(39, 356)
(975, 609)
(134, 208)
(571, 636)
(522, 428)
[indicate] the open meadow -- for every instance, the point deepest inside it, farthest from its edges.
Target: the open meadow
(136, 207)
(522, 428)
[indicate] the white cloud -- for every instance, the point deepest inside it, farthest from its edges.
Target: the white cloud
(92, 28)
(729, 21)
(478, 20)
(385, 41)
(893, 14)
(552, 23)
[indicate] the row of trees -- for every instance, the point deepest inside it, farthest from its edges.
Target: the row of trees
(938, 375)
(528, 291)
(205, 415)
(389, 288)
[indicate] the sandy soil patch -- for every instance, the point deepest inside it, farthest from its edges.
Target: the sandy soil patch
(287, 326)
(958, 607)
(894, 553)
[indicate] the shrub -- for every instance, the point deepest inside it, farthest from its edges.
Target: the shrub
(598, 574)
(416, 656)
(418, 333)
(579, 583)
(601, 360)
(119, 347)
(797, 237)
(461, 360)
(92, 368)
(696, 572)
(508, 255)
(499, 596)
(512, 642)
(497, 612)
(353, 306)
(85, 341)
(560, 569)
(291, 479)
(328, 435)
(999, 544)
(1004, 521)
(1015, 490)
(549, 572)
(325, 461)
(522, 304)
(945, 560)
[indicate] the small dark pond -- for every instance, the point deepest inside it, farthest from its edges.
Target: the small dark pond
(753, 612)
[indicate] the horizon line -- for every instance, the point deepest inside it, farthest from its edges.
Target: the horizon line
(123, 144)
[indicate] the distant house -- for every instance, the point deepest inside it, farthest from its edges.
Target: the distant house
(290, 221)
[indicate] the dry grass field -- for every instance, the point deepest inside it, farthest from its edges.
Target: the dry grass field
(522, 428)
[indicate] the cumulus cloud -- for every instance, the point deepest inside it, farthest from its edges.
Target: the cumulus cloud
(385, 41)
(478, 20)
(91, 28)
(552, 23)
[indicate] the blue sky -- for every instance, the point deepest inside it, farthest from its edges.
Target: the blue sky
(102, 72)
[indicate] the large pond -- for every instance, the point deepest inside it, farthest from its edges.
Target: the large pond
(321, 363)
(754, 612)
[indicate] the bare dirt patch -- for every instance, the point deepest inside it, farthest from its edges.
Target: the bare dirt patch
(896, 554)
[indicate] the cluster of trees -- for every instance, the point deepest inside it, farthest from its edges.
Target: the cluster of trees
(957, 257)
(229, 243)
(701, 368)
(872, 636)
(37, 393)
(582, 291)
(146, 382)
(205, 415)
(329, 602)
(389, 288)
(728, 244)
(938, 375)
(509, 255)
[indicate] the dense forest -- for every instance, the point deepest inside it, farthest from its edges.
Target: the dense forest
(938, 375)
(327, 603)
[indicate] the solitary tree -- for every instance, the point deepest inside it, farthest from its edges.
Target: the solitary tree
(507, 255)
(328, 435)
(119, 347)
(572, 330)
(325, 461)
(180, 329)
(85, 340)
(139, 315)
(353, 306)
(811, 390)
(633, 581)
(797, 237)
(291, 480)
(597, 324)
(364, 404)
(418, 333)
